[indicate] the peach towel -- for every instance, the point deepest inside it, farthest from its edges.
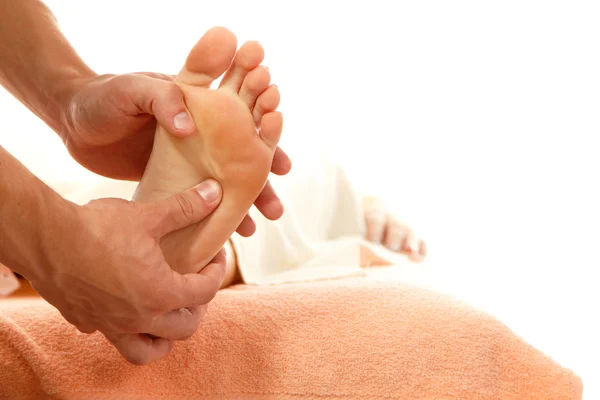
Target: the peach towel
(339, 339)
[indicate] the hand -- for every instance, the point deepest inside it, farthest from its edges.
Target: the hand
(383, 228)
(109, 122)
(105, 271)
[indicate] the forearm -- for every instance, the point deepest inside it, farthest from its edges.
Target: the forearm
(38, 65)
(30, 212)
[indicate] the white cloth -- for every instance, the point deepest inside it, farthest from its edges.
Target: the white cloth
(319, 234)
(318, 237)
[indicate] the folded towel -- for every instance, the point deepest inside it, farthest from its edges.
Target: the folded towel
(340, 339)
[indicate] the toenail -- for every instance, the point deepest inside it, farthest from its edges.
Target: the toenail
(375, 239)
(414, 247)
(183, 122)
(395, 247)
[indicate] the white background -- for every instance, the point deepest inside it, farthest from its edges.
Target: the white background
(477, 121)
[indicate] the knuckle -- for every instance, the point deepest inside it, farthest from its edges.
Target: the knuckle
(151, 305)
(172, 90)
(118, 86)
(186, 206)
(134, 326)
(125, 79)
(170, 94)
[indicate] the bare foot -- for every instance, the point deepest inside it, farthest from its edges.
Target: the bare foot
(387, 230)
(226, 145)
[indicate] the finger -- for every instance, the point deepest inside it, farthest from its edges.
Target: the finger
(268, 203)
(193, 290)
(375, 222)
(81, 327)
(282, 164)
(172, 319)
(140, 349)
(164, 100)
(184, 209)
(178, 324)
(247, 227)
(86, 329)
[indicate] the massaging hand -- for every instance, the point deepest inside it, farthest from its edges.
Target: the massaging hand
(383, 228)
(109, 124)
(105, 271)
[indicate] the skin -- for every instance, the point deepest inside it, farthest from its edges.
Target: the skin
(384, 228)
(100, 288)
(79, 258)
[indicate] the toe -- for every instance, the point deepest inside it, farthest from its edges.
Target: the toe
(394, 237)
(271, 125)
(281, 162)
(248, 57)
(209, 59)
(267, 101)
(412, 244)
(376, 223)
(268, 203)
(256, 82)
(247, 227)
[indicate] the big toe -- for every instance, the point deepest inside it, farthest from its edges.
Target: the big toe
(248, 57)
(210, 58)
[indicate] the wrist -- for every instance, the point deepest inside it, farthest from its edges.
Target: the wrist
(68, 82)
(57, 223)
(38, 234)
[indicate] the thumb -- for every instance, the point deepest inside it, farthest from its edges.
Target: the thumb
(184, 209)
(164, 100)
(140, 349)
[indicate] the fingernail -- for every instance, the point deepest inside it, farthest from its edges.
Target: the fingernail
(185, 311)
(395, 247)
(183, 122)
(209, 190)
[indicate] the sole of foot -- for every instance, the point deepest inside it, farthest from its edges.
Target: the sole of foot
(237, 132)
